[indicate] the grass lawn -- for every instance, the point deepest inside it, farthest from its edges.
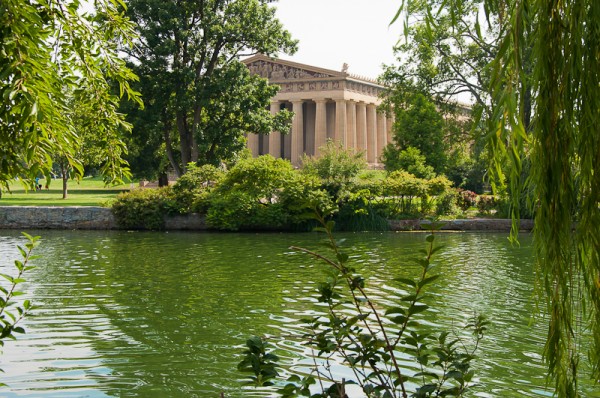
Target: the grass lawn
(89, 191)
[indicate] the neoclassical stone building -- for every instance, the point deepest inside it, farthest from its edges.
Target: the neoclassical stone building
(327, 104)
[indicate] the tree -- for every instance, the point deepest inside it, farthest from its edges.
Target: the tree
(100, 140)
(419, 125)
(201, 97)
(448, 55)
(550, 112)
(409, 159)
(50, 52)
(448, 58)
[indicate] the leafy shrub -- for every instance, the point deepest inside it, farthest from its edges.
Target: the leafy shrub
(237, 210)
(359, 210)
(264, 192)
(446, 203)
(410, 160)
(486, 204)
(191, 190)
(466, 199)
(143, 208)
(438, 185)
(403, 183)
(303, 195)
(403, 192)
(336, 167)
(260, 177)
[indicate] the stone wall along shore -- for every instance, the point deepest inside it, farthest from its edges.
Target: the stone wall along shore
(101, 218)
(46, 217)
(80, 217)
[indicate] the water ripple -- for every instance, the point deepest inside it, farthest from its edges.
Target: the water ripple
(166, 314)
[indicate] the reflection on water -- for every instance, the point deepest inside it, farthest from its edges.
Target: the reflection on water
(165, 314)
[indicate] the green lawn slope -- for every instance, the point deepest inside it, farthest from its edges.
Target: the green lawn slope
(89, 191)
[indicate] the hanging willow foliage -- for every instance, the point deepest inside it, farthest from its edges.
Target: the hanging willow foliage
(551, 49)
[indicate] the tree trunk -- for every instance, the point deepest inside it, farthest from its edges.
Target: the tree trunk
(184, 140)
(65, 179)
(163, 180)
(169, 148)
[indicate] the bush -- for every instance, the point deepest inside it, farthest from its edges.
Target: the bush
(260, 177)
(143, 208)
(466, 199)
(438, 185)
(335, 167)
(486, 204)
(409, 159)
(237, 210)
(360, 211)
(403, 191)
(190, 192)
(446, 203)
(303, 195)
(265, 193)
(334, 163)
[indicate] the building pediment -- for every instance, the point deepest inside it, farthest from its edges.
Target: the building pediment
(295, 79)
(280, 70)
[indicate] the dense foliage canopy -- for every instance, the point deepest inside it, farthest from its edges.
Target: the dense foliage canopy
(544, 87)
(54, 55)
(200, 97)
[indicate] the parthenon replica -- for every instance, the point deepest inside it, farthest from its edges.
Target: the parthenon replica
(327, 104)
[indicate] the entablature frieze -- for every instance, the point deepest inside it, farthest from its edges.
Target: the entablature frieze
(275, 71)
(329, 85)
(299, 78)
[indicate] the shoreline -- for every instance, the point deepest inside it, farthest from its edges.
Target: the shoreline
(101, 218)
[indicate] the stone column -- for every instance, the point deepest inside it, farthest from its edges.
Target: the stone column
(341, 122)
(320, 125)
(361, 126)
(275, 136)
(351, 125)
(381, 134)
(253, 144)
(371, 133)
(297, 132)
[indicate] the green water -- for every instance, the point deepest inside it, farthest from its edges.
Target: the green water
(165, 314)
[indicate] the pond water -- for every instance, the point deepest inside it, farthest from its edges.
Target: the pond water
(141, 314)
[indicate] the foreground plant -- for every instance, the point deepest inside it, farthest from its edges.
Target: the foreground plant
(371, 341)
(12, 311)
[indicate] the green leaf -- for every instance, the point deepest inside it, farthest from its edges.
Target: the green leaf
(330, 225)
(437, 249)
(406, 281)
(19, 265)
(427, 281)
(395, 310)
(342, 257)
(398, 320)
(410, 297)
(417, 308)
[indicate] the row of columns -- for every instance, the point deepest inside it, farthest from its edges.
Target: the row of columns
(357, 125)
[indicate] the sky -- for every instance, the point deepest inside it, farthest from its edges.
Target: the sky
(334, 32)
